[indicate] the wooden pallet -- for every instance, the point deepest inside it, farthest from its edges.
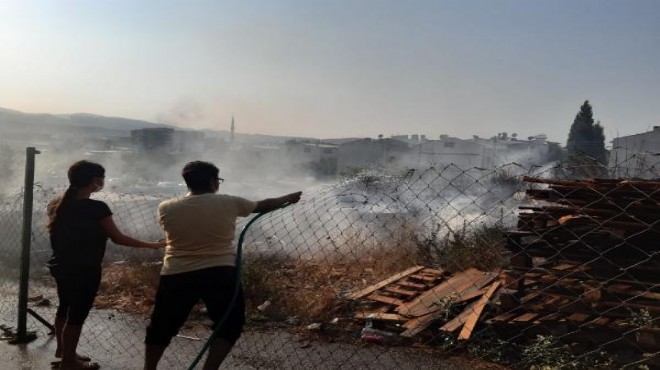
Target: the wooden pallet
(420, 296)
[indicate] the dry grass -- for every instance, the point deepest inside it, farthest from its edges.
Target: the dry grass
(128, 288)
(312, 290)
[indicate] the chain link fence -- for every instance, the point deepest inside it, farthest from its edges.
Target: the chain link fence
(512, 266)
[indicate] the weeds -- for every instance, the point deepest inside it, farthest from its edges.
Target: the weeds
(640, 319)
(129, 288)
(546, 353)
(482, 248)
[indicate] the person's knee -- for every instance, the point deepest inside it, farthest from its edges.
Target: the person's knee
(77, 315)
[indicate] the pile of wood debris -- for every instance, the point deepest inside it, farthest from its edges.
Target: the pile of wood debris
(585, 263)
(419, 296)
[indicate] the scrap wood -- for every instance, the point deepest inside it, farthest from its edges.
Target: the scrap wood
(372, 288)
(462, 283)
(385, 299)
(526, 317)
(624, 289)
(575, 304)
(478, 308)
(381, 316)
(397, 290)
(460, 319)
(416, 325)
(463, 317)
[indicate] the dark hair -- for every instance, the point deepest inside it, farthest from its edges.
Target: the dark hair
(80, 174)
(199, 175)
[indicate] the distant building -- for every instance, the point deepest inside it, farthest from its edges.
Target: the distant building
(637, 155)
(167, 140)
(320, 158)
(449, 150)
(187, 141)
(502, 149)
(373, 153)
(152, 139)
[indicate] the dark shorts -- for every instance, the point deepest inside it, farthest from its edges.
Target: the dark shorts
(178, 293)
(76, 290)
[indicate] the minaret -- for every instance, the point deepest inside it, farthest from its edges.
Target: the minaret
(231, 137)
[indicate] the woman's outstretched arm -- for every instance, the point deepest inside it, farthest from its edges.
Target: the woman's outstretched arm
(117, 237)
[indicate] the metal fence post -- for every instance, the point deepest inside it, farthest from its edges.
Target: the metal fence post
(21, 331)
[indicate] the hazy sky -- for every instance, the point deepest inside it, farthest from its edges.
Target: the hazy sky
(331, 68)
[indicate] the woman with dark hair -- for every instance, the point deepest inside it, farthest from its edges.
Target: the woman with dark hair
(79, 228)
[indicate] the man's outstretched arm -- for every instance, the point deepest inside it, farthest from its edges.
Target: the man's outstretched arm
(270, 204)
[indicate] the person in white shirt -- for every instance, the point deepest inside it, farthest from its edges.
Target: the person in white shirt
(199, 262)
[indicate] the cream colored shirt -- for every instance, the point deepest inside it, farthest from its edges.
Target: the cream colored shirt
(200, 230)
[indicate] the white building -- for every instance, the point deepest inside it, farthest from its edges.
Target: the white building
(637, 155)
(369, 153)
(320, 159)
(484, 153)
(501, 150)
(449, 150)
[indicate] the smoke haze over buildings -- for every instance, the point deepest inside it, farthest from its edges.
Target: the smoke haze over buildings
(338, 68)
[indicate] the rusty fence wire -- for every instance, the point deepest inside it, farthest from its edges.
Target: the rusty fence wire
(542, 267)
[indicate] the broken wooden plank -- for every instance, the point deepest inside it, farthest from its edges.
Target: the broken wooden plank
(504, 317)
(555, 316)
(416, 325)
(385, 299)
(424, 277)
(578, 317)
(407, 293)
(381, 316)
(526, 317)
(460, 319)
(372, 288)
(433, 271)
(409, 284)
(478, 308)
(625, 289)
(427, 302)
(600, 321)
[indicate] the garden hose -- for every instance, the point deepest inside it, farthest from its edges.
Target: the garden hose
(239, 267)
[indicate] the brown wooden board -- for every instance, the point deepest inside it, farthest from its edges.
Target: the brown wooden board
(504, 317)
(416, 325)
(424, 277)
(433, 271)
(404, 292)
(380, 316)
(578, 317)
(409, 284)
(529, 316)
(463, 282)
(460, 319)
(478, 309)
(385, 299)
(372, 288)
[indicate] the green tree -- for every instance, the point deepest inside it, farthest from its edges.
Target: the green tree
(586, 137)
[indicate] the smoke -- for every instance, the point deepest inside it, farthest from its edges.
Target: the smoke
(186, 112)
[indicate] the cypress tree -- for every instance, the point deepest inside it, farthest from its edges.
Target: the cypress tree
(586, 137)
